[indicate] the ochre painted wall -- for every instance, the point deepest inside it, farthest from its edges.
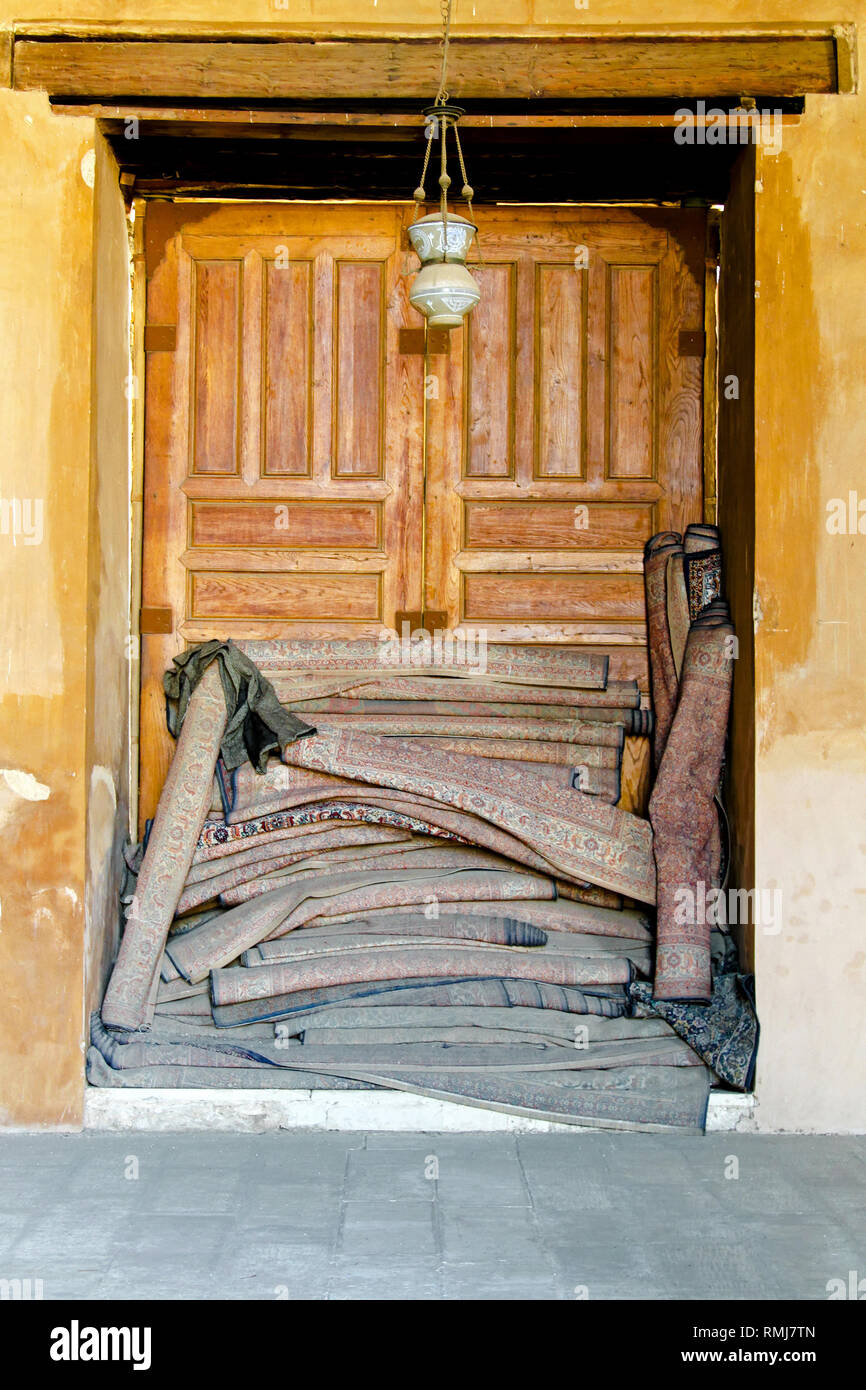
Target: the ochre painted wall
(810, 657)
(46, 217)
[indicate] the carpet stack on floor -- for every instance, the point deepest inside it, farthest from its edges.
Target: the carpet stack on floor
(433, 891)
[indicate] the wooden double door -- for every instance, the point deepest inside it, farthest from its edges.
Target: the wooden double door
(310, 472)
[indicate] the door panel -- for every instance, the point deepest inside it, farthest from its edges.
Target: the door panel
(566, 426)
(284, 433)
(303, 477)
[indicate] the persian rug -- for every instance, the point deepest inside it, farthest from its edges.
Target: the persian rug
(216, 943)
(416, 887)
(679, 618)
(618, 695)
(683, 814)
(502, 931)
(440, 820)
(609, 1001)
(724, 1033)
(193, 919)
(346, 1024)
(640, 1096)
(99, 1073)
(192, 1011)
(550, 665)
(466, 709)
(663, 676)
(411, 961)
(569, 755)
(260, 850)
(702, 567)
(580, 836)
(218, 838)
(179, 1045)
(172, 990)
(447, 858)
(590, 734)
(180, 815)
(304, 946)
(559, 916)
(237, 885)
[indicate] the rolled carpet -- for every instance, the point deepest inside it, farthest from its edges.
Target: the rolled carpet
(607, 1001)
(410, 961)
(579, 835)
(216, 943)
(183, 803)
(502, 931)
(536, 665)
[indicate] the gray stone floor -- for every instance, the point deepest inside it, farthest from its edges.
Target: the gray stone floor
(415, 1216)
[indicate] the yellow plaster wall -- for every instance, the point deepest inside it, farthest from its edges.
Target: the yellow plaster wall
(45, 290)
(810, 657)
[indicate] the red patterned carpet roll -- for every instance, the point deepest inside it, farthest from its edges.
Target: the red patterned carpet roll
(683, 813)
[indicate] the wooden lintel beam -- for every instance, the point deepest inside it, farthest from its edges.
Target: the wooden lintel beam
(354, 122)
(602, 66)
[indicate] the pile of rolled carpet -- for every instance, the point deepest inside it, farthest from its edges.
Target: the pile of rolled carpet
(431, 889)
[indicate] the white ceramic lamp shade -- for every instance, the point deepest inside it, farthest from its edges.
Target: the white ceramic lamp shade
(444, 292)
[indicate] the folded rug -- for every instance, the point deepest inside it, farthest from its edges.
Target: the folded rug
(440, 820)
(608, 1001)
(725, 1032)
(541, 665)
(307, 945)
(223, 939)
(503, 931)
(560, 916)
(305, 839)
(579, 835)
(529, 751)
(348, 1025)
(639, 1098)
(683, 814)
(448, 858)
(563, 730)
(234, 885)
(99, 1073)
(219, 838)
(418, 710)
(295, 688)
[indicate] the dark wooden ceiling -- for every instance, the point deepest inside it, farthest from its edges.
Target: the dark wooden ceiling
(520, 164)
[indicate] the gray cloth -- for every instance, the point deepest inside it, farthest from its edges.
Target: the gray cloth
(257, 724)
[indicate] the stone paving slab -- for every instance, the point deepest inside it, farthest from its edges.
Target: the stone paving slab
(329, 1216)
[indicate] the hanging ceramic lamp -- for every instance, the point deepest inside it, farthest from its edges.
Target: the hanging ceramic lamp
(443, 291)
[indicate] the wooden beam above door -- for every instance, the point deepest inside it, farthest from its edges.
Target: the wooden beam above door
(603, 63)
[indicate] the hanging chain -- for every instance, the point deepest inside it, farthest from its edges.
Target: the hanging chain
(438, 124)
(442, 94)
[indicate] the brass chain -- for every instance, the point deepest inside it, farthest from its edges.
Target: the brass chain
(442, 94)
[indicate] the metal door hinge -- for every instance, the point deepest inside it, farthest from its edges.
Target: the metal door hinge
(160, 337)
(693, 344)
(155, 620)
(412, 342)
(431, 620)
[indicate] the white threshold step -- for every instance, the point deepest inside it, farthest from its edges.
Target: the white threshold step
(256, 1112)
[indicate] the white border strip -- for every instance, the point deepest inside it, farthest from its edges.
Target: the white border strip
(256, 1112)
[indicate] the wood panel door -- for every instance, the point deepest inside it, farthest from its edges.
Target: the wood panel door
(283, 433)
(565, 426)
(305, 477)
